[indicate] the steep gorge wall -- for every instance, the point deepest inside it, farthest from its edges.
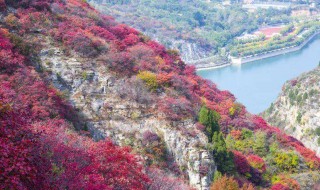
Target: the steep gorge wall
(297, 109)
(191, 52)
(103, 102)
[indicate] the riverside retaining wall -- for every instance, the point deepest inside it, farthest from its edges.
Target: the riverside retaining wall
(273, 53)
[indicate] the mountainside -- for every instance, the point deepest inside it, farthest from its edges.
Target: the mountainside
(75, 86)
(297, 109)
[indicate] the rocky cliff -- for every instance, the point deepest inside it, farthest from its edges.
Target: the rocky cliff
(78, 77)
(297, 109)
(109, 112)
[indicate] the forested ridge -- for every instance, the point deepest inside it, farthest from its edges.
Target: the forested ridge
(210, 25)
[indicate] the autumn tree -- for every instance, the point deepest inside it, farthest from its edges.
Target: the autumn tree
(228, 183)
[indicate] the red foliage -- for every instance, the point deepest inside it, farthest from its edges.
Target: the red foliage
(244, 168)
(149, 137)
(294, 82)
(176, 109)
(241, 163)
(121, 62)
(200, 126)
(37, 146)
(116, 164)
(161, 181)
(143, 57)
(102, 32)
(257, 162)
(122, 31)
(158, 49)
(18, 163)
(131, 40)
(89, 33)
(236, 134)
(9, 59)
(80, 163)
(285, 182)
(164, 78)
(279, 186)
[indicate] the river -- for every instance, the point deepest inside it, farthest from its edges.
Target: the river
(257, 84)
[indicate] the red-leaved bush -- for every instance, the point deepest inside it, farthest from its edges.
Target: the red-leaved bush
(279, 186)
(43, 113)
(257, 162)
(38, 148)
(241, 163)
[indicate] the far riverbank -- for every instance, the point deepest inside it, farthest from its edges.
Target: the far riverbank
(239, 61)
(273, 53)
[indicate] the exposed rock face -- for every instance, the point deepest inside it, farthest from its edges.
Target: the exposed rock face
(103, 101)
(297, 109)
(191, 52)
(307, 180)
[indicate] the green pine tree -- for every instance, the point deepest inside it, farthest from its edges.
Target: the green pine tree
(222, 157)
(260, 145)
(210, 119)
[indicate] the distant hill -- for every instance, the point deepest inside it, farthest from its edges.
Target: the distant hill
(198, 29)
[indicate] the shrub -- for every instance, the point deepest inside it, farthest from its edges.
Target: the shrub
(241, 164)
(228, 183)
(246, 133)
(235, 110)
(260, 143)
(121, 62)
(12, 21)
(283, 181)
(149, 137)
(299, 116)
(162, 181)
(236, 134)
(164, 79)
(17, 149)
(149, 78)
(176, 109)
(286, 161)
(279, 186)
(144, 58)
(21, 46)
(200, 127)
(257, 163)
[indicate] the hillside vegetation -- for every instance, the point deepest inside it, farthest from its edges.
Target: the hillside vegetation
(296, 110)
(196, 28)
(75, 84)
